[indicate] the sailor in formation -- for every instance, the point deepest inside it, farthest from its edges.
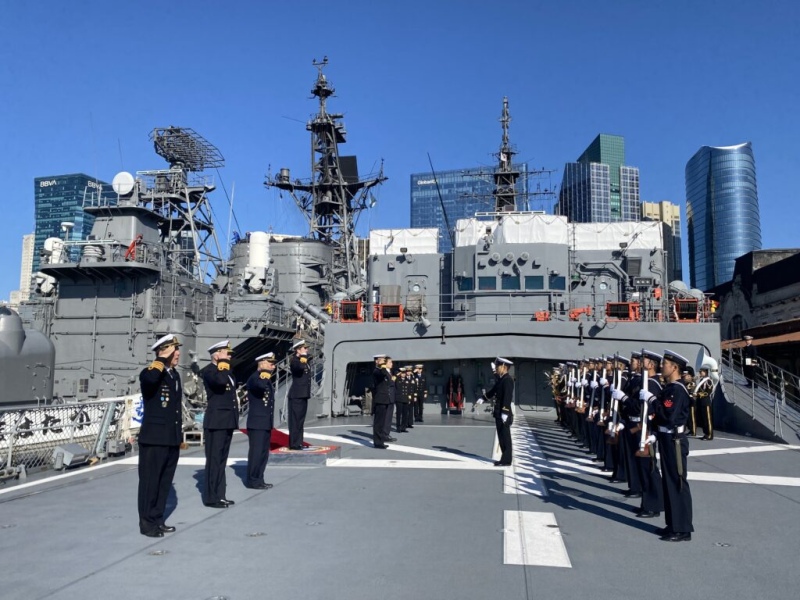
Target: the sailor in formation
(219, 422)
(703, 394)
(649, 408)
(422, 392)
(503, 395)
(403, 395)
(260, 420)
(299, 393)
(160, 435)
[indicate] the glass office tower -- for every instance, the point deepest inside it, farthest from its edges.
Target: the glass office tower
(464, 193)
(59, 199)
(721, 212)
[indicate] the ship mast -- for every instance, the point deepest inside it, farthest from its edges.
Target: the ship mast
(334, 198)
(505, 176)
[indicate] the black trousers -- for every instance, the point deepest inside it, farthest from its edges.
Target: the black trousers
(628, 444)
(298, 407)
(706, 417)
(401, 418)
(409, 414)
(387, 421)
(504, 437)
(418, 409)
(218, 444)
(257, 454)
(652, 488)
(156, 470)
(379, 423)
(677, 496)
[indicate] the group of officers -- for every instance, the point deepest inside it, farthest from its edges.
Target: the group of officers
(161, 433)
(622, 409)
(400, 393)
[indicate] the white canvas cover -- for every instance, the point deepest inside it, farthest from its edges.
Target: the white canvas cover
(415, 241)
(514, 229)
(609, 236)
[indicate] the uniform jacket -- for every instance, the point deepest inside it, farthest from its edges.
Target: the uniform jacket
(162, 395)
(221, 393)
(671, 406)
(422, 387)
(503, 391)
(260, 401)
(381, 378)
(301, 377)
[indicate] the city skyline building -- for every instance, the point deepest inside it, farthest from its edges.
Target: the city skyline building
(669, 214)
(464, 193)
(722, 213)
(59, 199)
(26, 267)
(599, 187)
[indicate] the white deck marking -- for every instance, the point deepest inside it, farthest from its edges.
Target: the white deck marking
(524, 476)
(67, 475)
(398, 448)
(752, 479)
(533, 538)
(741, 450)
(411, 464)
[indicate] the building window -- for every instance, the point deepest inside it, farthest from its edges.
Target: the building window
(558, 282)
(83, 386)
(510, 282)
(487, 283)
(534, 282)
(466, 284)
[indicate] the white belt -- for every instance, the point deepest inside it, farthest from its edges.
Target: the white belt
(635, 419)
(679, 429)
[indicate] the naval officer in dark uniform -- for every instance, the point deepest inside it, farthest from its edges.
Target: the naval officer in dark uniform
(299, 393)
(260, 417)
(422, 392)
(220, 420)
(749, 360)
(160, 435)
(503, 392)
(381, 378)
(671, 408)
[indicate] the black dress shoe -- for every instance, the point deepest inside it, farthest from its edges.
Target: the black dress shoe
(676, 537)
(614, 480)
(153, 533)
(411, 427)
(219, 504)
(228, 502)
(391, 439)
(663, 531)
(383, 447)
(648, 514)
(630, 494)
(498, 463)
(260, 486)
(166, 528)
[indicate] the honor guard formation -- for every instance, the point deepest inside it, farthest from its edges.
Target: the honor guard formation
(622, 410)
(401, 393)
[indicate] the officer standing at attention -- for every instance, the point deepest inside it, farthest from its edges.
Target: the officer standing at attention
(220, 420)
(703, 394)
(299, 393)
(260, 414)
(422, 393)
(749, 360)
(160, 435)
(381, 376)
(671, 409)
(402, 384)
(503, 392)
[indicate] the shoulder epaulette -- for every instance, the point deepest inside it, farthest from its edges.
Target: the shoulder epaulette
(156, 364)
(223, 366)
(265, 375)
(304, 360)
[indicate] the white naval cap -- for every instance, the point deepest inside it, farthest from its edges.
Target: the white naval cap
(419, 366)
(502, 361)
(168, 340)
(378, 356)
(676, 358)
(270, 356)
(298, 344)
(654, 356)
(225, 344)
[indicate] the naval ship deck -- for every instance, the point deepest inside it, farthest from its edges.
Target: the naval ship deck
(430, 518)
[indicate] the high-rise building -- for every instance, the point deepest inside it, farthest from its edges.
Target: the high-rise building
(464, 193)
(722, 213)
(26, 266)
(599, 187)
(59, 199)
(669, 214)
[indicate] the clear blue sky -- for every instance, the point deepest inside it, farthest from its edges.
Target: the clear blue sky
(83, 83)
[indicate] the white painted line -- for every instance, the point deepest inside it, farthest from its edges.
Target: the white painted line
(524, 476)
(533, 538)
(185, 461)
(411, 464)
(736, 478)
(79, 471)
(741, 450)
(398, 448)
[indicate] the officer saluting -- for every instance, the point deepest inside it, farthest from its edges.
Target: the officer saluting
(160, 435)
(381, 379)
(219, 422)
(260, 414)
(671, 413)
(299, 393)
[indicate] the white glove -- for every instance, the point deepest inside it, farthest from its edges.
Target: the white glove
(584, 383)
(618, 395)
(611, 388)
(593, 385)
(504, 417)
(620, 427)
(645, 395)
(651, 439)
(572, 380)
(603, 381)
(479, 400)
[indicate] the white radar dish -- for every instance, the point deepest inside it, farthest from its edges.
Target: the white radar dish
(123, 183)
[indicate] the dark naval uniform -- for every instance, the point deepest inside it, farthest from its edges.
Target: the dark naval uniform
(299, 394)
(629, 440)
(652, 491)
(703, 392)
(260, 414)
(381, 378)
(220, 420)
(159, 442)
(503, 392)
(750, 362)
(422, 395)
(671, 409)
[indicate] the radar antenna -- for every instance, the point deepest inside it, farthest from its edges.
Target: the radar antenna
(185, 148)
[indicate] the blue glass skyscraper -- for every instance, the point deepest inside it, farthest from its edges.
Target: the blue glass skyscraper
(721, 212)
